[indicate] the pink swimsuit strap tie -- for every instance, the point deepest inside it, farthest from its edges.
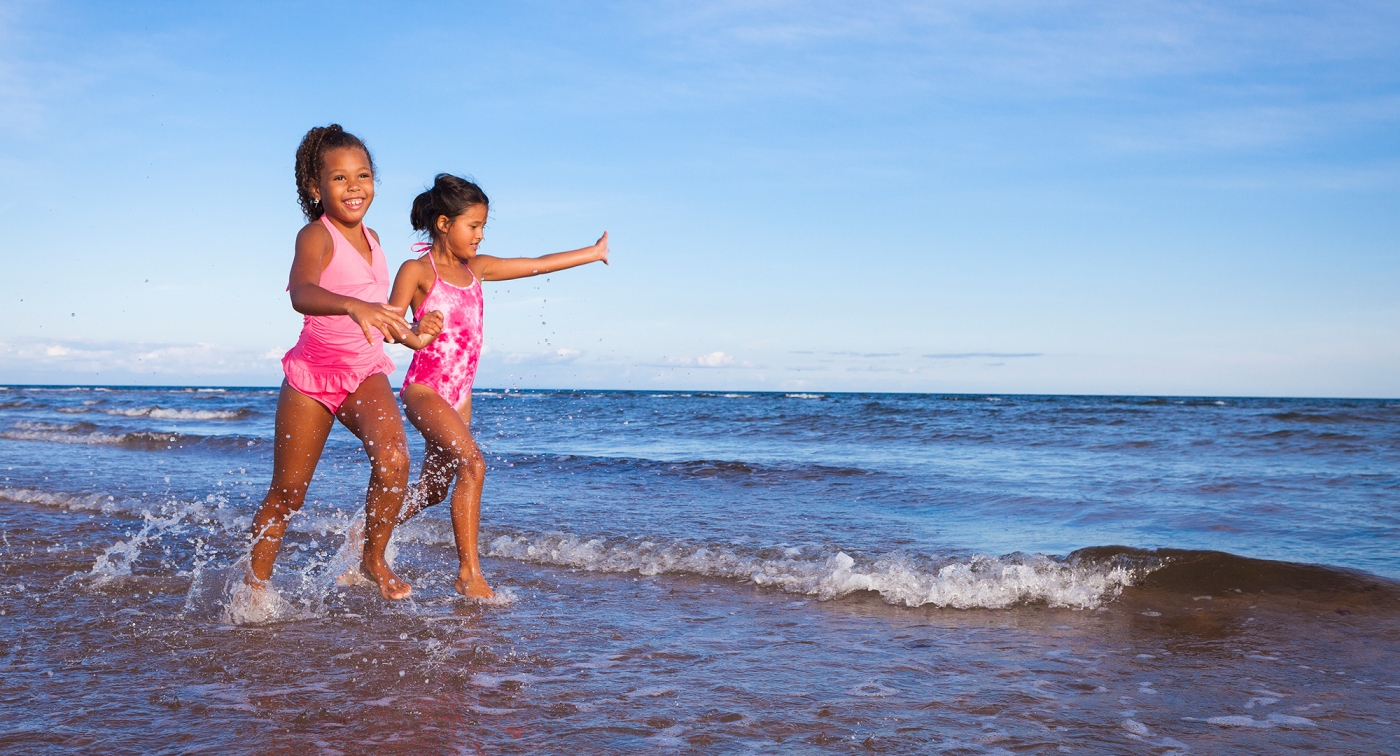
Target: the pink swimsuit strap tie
(421, 247)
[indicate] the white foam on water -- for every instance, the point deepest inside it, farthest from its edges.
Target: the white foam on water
(1273, 720)
(61, 433)
(1137, 728)
(162, 413)
(873, 689)
(503, 597)
(486, 680)
(94, 502)
(970, 583)
(490, 711)
(670, 737)
(74, 433)
(805, 396)
(655, 691)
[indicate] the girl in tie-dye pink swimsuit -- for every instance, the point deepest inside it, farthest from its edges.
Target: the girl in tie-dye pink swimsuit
(448, 364)
(437, 393)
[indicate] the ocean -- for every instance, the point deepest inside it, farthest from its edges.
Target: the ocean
(698, 572)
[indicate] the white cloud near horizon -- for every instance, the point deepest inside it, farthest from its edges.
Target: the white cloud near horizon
(89, 361)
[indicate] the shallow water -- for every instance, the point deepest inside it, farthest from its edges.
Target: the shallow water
(720, 573)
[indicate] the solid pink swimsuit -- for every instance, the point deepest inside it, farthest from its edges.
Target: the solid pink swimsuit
(448, 365)
(332, 357)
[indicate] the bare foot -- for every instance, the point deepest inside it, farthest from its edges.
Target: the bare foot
(390, 587)
(474, 586)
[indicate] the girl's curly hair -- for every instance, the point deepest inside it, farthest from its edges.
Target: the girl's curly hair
(310, 158)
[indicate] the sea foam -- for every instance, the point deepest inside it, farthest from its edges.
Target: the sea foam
(980, 581)
(95, 502)
(85, 434)
(165, 413)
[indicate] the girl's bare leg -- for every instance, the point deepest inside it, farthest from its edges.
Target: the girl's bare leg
(373, 416)
(302, 425)
(434, 482)
(452, 452)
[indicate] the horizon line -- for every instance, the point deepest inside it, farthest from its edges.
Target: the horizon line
(721, 392)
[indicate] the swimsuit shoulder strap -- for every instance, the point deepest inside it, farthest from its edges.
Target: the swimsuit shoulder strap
(424, 248)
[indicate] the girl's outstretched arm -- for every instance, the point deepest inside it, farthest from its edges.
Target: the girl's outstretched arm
(410, 288)
(313, 254)
(489, 268)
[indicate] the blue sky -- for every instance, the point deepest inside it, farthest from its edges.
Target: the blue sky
(1046, 197)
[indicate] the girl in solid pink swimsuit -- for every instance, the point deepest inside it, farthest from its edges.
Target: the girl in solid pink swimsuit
(438, 391)
(338, 369)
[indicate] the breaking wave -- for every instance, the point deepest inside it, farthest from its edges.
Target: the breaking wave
(163, 413)
(84, 433)
(975, 582)
(93, 435)
(93, 502)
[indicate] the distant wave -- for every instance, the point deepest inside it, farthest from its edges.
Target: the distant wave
(96, 502)
(83, 433)
(697, 468)
(163, 413)
(93, 435)
(1325, 417)
(158, 413)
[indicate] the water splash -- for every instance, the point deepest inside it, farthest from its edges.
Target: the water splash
(115, 562)
(245, 604)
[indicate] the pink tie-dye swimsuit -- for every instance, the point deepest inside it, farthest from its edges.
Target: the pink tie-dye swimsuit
(448, 365)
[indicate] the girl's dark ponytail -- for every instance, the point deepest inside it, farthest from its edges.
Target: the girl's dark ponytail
(449, 195)
(311, 157)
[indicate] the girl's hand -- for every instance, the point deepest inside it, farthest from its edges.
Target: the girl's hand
(389, 320)
(600, 248)
(429, 326)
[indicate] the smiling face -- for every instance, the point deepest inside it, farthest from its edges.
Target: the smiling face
(462, 235)
(346, 185)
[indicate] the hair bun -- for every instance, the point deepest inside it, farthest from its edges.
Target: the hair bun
(450, 196)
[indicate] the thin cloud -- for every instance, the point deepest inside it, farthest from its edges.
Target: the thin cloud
(870, 355)
(710, 360)
(82, 357)
(971, 355)
(545, 357)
